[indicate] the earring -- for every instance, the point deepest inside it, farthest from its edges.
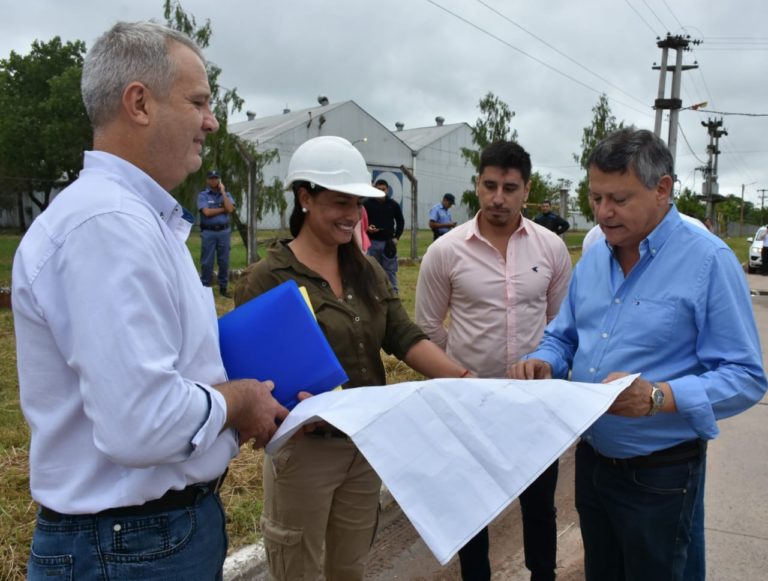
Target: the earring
(304, 210)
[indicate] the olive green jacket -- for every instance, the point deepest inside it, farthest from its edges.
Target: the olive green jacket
(356, 331)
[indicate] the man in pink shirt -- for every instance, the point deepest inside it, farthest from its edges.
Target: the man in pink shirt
(501, 278)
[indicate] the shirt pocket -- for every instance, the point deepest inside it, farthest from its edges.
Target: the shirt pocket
(648, 322)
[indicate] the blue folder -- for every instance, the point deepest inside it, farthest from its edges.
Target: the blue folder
(275, 336)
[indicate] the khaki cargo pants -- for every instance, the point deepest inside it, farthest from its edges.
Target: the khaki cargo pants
(319, 492)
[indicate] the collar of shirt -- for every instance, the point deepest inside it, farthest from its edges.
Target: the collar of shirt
(659, 235)
(141, 184)
(474, 228)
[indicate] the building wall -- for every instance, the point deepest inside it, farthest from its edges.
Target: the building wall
(381, 149)
(440, 168)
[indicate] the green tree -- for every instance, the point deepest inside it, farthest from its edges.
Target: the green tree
(544, 187)
(603, 123)
(235, 158)
(688, 203)
(492, 125)
(44, 127)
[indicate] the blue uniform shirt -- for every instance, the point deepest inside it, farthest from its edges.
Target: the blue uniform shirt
(210, 199)
(682, 315)
(439, 214)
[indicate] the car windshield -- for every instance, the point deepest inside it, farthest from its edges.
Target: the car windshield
(761, 232)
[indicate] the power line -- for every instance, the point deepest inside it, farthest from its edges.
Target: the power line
(640, 16)
(663, 26)
(558, 51)
(680, 24)
(533, 58)
(688, 143)
(741, 114)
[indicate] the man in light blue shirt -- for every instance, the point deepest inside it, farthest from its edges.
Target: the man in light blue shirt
(669, 301)
(440, 219)
(215, 204)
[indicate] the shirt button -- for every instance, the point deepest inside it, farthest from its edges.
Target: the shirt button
(349, 297)
(617, 301)
(325, 284)
(117, 528)
(357, 319)
(361, 346)
(364, 370)
(592, 369)
(604, 335)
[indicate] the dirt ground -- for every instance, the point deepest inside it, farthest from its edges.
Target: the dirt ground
(399, 552)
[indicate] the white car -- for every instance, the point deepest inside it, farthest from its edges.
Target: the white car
(755, 261)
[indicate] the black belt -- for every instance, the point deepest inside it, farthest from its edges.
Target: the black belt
(327, 432)
(215, 227)
(679, 454)
(171, 500)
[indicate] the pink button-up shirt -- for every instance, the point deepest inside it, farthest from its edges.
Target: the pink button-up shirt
(498, 305)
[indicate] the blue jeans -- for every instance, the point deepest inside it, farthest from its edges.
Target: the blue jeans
(189, 543)
(537, 503)
(388, 264)
(635, 522)
(696, 565)
(214, 242)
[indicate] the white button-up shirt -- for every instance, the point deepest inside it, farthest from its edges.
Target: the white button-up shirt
(117, 346)
(498, 305)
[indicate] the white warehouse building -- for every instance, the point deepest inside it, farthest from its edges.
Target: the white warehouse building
(431, 154)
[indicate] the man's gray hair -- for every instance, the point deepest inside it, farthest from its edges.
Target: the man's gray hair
(634, 149)
(129, 52)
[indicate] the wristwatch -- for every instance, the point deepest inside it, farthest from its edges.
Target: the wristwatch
(657, 399)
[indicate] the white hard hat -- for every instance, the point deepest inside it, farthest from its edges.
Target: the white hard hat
(333, 163)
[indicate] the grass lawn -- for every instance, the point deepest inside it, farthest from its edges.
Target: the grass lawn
(242, 491)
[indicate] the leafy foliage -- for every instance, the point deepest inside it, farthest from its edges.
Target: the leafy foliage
(232, 156)
(44, 127)
(687, 203)
(492, 125)
(603, 123)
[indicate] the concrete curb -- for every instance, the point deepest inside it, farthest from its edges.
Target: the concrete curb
(250, 563)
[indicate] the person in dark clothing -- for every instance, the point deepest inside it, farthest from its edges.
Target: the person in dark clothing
(385, 226)
(550, 220)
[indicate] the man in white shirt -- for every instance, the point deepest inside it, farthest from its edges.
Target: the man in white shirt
(132, 420)
(499, 279)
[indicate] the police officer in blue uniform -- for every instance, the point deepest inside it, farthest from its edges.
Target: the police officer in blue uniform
(215, 205)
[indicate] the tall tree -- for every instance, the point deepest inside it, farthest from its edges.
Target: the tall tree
(44, 127)
(603, 123)
(232, 156)
(689, 204)
(544, 187)
(492, 125)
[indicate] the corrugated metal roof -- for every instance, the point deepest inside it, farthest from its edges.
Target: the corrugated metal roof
(263, 129)
(420, 137)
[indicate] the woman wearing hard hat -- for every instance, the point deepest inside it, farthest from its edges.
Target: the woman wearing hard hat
(320, 492)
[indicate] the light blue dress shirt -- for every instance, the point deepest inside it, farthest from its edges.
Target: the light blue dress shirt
(683, 315)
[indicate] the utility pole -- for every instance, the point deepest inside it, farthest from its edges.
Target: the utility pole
(762, 202)
(674, 103)
(710, 187)
(741, 212)
(414, 210)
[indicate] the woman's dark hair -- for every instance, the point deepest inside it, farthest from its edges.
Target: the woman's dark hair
(356, 271)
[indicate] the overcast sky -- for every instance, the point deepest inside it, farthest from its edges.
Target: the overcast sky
(412, 60)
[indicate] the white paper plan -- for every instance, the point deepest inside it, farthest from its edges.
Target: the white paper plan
(455, 453)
